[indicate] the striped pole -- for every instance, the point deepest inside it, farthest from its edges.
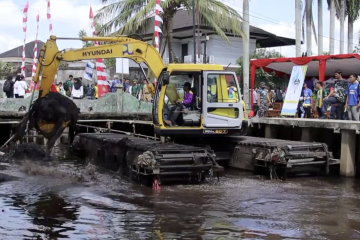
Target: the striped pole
(25, 12)
(49, 17)
(157, 30)
(35, 53)
(35, 47)
(103, 86)
(157, 22)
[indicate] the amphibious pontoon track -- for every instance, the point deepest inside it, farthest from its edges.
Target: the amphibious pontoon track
(290, 156)
(142, 158)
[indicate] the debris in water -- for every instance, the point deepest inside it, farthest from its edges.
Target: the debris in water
(23, 151)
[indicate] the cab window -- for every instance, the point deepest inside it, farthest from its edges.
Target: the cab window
(222, 88)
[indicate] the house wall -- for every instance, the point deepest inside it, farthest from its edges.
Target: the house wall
(224, 52)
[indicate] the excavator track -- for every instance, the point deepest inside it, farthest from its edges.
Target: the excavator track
(144, 159)
(282, 156)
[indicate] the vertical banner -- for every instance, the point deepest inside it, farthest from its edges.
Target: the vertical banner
(89, 69)
(294, 89)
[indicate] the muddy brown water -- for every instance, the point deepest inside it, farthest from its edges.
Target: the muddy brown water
(240, 206)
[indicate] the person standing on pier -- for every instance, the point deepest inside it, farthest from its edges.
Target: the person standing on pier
(8, 87)
(352, 103)
(20, 87)
(336, 98)
(307, 98)
(262, 100)
(78, 90)
(68, 85)
(318, 97)
(255, 101)
(96, 91)
(115, 82)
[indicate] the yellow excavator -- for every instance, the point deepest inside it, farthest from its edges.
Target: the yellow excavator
(213, 105)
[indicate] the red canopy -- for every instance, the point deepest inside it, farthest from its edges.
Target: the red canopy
(318, 66)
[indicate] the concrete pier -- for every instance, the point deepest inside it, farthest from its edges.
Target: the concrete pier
(348, 151)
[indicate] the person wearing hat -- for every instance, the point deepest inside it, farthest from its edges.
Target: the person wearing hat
(135, 88)
(188, 96)
(232, 91)
(262, 100)
(183, 103)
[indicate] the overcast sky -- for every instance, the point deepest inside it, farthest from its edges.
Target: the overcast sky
(70, 16)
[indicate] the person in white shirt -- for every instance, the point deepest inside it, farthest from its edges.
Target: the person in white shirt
(20, 87)
(77, 91)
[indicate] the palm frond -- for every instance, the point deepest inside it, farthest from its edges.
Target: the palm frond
(314, 28)
(352, 9)
(337, 7)
(134, 16)
(303, 25)
(221, 18)
(120, 13)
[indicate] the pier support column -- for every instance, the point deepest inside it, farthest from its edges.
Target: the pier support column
(119, 97)
(347, 157)
(306, 135)
(270, 131)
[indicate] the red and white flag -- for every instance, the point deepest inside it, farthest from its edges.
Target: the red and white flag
(32, 84)
(25, 12)
(103, 85)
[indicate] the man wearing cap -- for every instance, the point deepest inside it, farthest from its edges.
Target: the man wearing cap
(186, 102)
(188, 96)
(262, 99)
(232, 91)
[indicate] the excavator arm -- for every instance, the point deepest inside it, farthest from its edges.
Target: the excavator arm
(118, 47)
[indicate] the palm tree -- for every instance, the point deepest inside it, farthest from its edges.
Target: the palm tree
(332, 5)
(5, 69)
(134, 16)
(310, 26)
(349, 8)
(352, 11)
(320, 27)
(342, 23)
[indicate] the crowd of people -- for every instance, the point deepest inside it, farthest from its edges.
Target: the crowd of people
(75, 88)
(17, 88)
(342, 97)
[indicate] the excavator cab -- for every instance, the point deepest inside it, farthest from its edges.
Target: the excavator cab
(215, 106)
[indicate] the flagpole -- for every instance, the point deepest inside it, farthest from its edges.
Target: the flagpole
(122, 70)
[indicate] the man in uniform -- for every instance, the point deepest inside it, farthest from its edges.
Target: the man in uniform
(262, 100)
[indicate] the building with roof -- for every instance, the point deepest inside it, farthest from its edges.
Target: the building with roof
(213, 48)
(14, 56)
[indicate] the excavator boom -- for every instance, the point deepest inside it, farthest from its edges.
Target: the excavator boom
(118, 47)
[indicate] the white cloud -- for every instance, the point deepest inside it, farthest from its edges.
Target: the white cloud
(8, 42)
(10, 15)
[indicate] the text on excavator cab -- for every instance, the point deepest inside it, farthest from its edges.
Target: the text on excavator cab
(96, 52)
(217, 131)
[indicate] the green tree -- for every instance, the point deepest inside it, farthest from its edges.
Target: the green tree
(261, 75)
(82, 33)
(134, 16)
(5, 70)
(352, 11)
